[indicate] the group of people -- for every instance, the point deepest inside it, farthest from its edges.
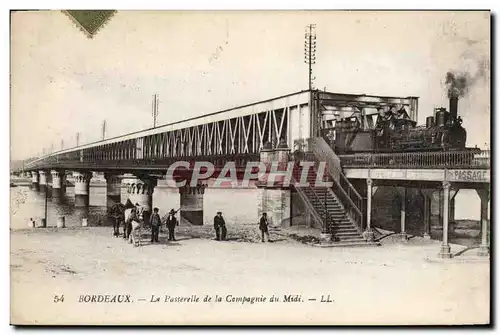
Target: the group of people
(134, 217)
(221, 231)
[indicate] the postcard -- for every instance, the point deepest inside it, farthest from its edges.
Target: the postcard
(250, 167)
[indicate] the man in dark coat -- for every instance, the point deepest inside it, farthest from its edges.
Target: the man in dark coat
(171, 223)
(220, 227)
(263, 226)
(155, 222)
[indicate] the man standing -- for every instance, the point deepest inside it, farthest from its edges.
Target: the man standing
(220, 227)
(127, 222)
(115, 213)
(171, 223)
(155, 223)
(138, 210)
(263, 226)
(135, 225)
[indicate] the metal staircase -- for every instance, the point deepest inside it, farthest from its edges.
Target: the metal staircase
(338, 209)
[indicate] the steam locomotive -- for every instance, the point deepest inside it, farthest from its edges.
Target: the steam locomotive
(394, 131)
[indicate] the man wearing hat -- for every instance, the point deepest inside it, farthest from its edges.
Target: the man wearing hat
(143, 214)
(263, 226)
(220, 227)
(155, 223)
(171, 223)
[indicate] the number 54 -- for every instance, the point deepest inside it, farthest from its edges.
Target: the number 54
(59, 298)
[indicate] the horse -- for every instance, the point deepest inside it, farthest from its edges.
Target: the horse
(117, 213)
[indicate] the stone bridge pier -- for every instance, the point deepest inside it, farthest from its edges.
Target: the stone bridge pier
(82, 188)
(140, 191)
(58, 186)
(113, 189)
(166, 197)
(274, 197)
(34, 180)
(276, 202)
(191, 204)
(42, 181)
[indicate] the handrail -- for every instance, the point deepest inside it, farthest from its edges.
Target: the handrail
(313, 210)
(447, 159)
(323, 220)
(352, 210)
(325, 152)
(326, 219)
(343, 189)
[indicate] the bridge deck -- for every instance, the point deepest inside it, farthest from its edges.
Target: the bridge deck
(431, 175)
(242, 130)
(453, 166)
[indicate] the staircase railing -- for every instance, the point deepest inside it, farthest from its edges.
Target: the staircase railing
(322, 219)
(325, 226)
(342, 188)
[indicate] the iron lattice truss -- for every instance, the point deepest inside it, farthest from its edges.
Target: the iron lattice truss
(239, 136)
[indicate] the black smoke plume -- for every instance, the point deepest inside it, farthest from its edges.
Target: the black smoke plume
(459, 82)
(456, 84)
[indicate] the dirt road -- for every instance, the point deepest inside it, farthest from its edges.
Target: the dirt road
(389, 284)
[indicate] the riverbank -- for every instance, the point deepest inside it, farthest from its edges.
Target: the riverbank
(18, 181)
(398, 281)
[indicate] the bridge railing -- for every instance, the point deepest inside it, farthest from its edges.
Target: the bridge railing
(423, 160)
(146, 163)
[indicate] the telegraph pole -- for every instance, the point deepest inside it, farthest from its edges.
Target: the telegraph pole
(77, 139)
(310, 50)
(154, 111)
(46, 196)
(310, 59)
(103, 130)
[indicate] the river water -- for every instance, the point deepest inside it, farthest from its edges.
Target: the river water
(28, 203)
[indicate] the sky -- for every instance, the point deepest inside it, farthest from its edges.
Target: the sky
(62, 82)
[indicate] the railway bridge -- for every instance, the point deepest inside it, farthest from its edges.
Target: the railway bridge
(276, 156)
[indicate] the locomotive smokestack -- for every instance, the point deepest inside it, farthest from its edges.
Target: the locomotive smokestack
(453, 106)
(429, 121)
